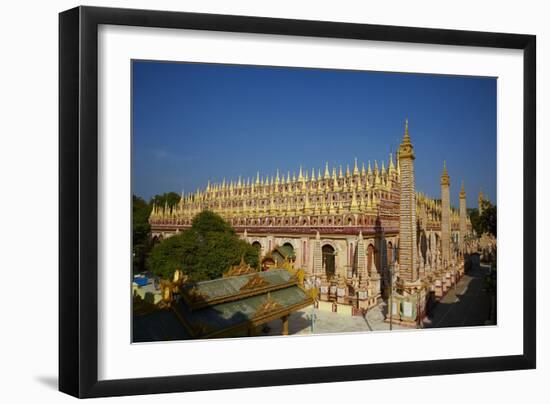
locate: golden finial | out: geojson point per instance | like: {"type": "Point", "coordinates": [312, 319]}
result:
{"type": "Point", "coordinates": [327, 173]}
{"type": "Point", "coordinates": [355, 168]}
{"type": "Point", "coordinates": [406, 137]}
{"type": "Point", "coordinates": [445, 179]}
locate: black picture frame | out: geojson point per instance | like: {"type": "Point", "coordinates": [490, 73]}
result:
{"type": "Point", "coordinates": [78, 196]}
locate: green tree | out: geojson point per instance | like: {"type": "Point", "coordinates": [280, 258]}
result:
{"type": "Point", "coordinates": [474, 219]}
{"type": "Point", "coordinates": [141, 233]}
{"type": "Point", "coordinates": [168, 198]}
{"type": "Point", "coordinates": [488, 218]}
{"type": "Point", "coordinates": [207, 221]}
{"type": "Point", "coordinates": [487, 221]}
{"type": "Point", "coordinates": [204, 251]}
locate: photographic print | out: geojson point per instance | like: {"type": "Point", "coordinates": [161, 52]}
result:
{"type": "Point", "coordinates": [278, 201]}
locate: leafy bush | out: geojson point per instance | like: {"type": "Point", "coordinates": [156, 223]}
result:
{"type": "Point", "coordinates": [203, 252]}
{"type": "Point", "coordinates": [141, 244]}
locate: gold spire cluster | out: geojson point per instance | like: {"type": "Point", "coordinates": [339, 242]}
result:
{"type": "Point", "coordinates": [335, 191]}
{"type": "Point", "coordinates": [428, 210]}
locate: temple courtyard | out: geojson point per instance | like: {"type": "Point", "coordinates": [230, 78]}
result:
{"type": "Point", "coordinates": [467, 304]}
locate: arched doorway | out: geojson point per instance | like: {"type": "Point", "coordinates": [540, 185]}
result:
{"type": "Point", "coordinates": [288, 247]}
{"type": "Point", "coordinates": [258, 247]}
{"type": "Point", "coordinates": [329, 262]}
{"type": "Point", "coordinates": [283, 253]}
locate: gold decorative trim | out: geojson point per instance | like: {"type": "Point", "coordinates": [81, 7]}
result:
{"type": "Point", "coordinates": [267, 307]}
{"type": "Point", "coordinates": [255, 282]}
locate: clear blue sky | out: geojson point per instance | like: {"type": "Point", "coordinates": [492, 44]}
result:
{"type": "Point", "coordinates": [198, 122]}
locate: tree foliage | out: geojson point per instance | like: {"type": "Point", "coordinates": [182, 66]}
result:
{"type": "Point", "coordinates": [141, 232]}
{"type": "Point", "coordinates": [487, 221]}
{"type": "Point", "coordinates": [168, 198]}
{"type": "Point", "coordinates": [204, 251]}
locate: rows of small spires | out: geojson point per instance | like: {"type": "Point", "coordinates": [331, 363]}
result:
{"type": "Point", "coordinates": [378, 176]}
{"type": "Point", "coordinates": [357, 204]}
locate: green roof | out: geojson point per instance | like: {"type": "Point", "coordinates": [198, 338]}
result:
{"type": "Point", "coordinates": [229, 314]}
{"type": "Point", "coordinates": [231, 285]}
{"type": "Point", "coordinates": [229, 317]}
{"type": "Point", "coordinates": [160, 325]}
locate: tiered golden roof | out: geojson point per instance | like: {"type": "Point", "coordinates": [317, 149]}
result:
{"type": "Point", "coordinates": [334, 192]}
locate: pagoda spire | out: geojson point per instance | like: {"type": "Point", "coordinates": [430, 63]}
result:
{"type": "Point", "coordinates": [354, 205]}
{"type": "Point", "coordinates": [355, 168]}
{"type": "Point", "coordinates": [335, 185]}
{"type": "Point", "coordinates": [406, 137]}
{"type": "Point", "coordinates": [445, 179]}
{"type": "Point", "coordinates": [462, 191]}
{"type": "Point", "coordinates": [327, 173]}
{"type": "Point", "coordinates": [391, 167]}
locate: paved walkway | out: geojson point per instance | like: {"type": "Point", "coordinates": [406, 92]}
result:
{"type": "Point", "coordinates": [327, 322]}
{"type": "Point", "coordinates": [466, 305]}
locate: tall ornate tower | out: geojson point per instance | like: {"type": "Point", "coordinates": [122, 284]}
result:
{"type": "Point", "coordinates": [408, 270]}
{"type": "Point", "coordinates": [462, 214]}
{"type": "Point", "coordinates": [445, 216]}
{"type": "Point", "coordinates": [317, 256]}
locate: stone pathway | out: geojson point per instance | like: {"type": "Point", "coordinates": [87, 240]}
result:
{"type": "Point", "coordinates": [328, 322]}
{"type": "Point", "coordinates": [466, 305]}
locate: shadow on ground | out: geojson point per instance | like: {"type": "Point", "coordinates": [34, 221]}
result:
{"type": "Point", "coordinates": [48, 381]}
{"type": "Point", "coordinates": [467, 305]}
